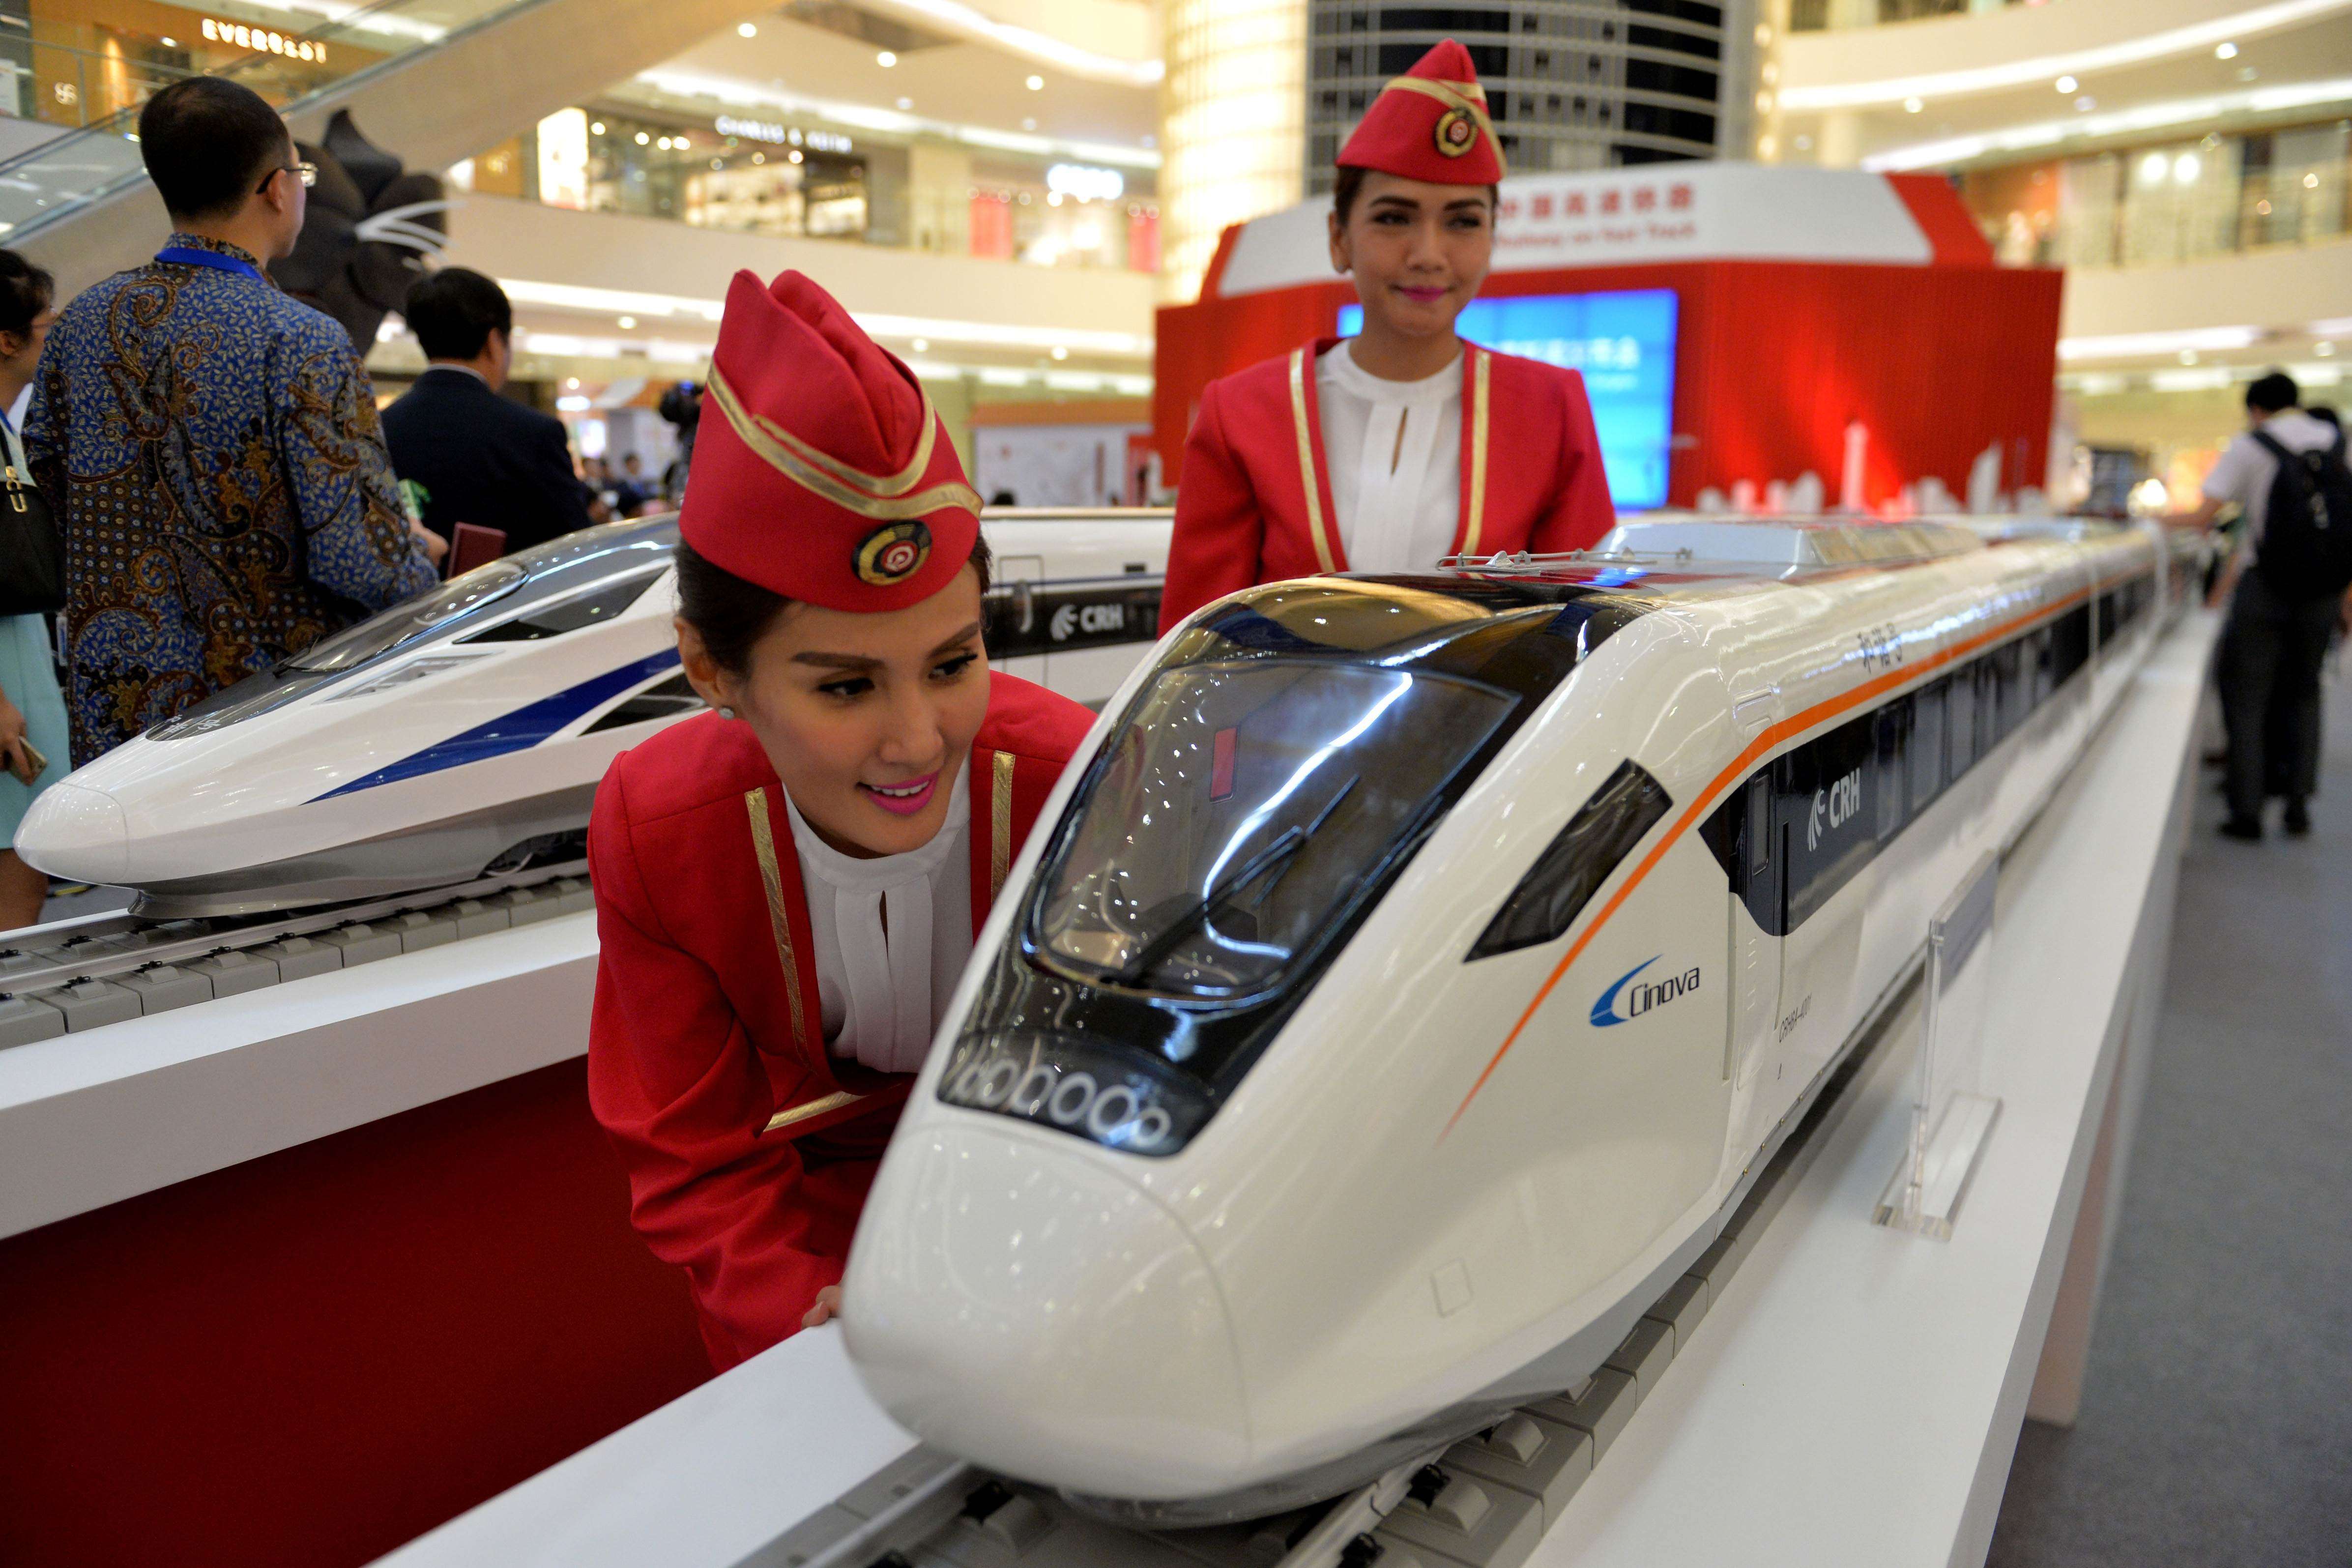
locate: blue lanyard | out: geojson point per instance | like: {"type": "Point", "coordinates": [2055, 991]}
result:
{"type": "Point", "coordinates": [189, 255]}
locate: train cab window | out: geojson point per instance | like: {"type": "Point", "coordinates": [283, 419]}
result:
{"type": "Point", "coordinates": [1246, 806]}
{"type": "Point", "coordinates": [1573, 867]}
{"type": "Point", "coordinates": [1924, 761]}
{"type": "Point", "coordinates": [1739, 833]}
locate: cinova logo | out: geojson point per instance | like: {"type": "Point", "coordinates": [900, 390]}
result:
{"type": "Point", "coordinates": [1620, 1005]}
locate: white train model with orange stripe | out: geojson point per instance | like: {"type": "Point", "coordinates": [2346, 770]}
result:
{"type": "Point", "coordinates": [1415, 972]}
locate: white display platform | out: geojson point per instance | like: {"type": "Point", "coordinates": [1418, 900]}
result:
{"type": "Point", "coordinates": [91, 1118]}
{"type": "Point", "coordinates": [1854, 1397]}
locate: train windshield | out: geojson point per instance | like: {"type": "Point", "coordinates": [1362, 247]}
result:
{"type": "Point", "coordinates": [1268, 781]}
{"type": "Point", "coordinates": [1244, 804]}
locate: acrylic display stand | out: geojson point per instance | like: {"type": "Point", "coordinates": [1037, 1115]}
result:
{"type": "Point", "coordinates": [1950, 1118]}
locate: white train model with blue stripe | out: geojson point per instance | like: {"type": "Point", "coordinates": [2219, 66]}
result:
{"type": "Point", "coordinates": [461, 734]}
{"type": "Point", "coordinates": [1412, 975]}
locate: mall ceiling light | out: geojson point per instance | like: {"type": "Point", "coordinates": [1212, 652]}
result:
{"type": "Point", "coordinates": [2157, 345]}
{"type": "Point", "coordinates": [627, 323]}
{"type": "Point", "coordinates": [643, 139]}
{"type": "Point", "coordinates": [1912, 105]}
{"type": "Point", "coordinates": [1061, 352]}
{"type": "Point", "coordinates": [2137, 119]}
{"type": "Point", "coordinates": [905, 104]}
{"type": "Point", "coordinates": [747, 29]}
{"type": "Point", "coordinates": [2225, 51]}
{"type": "Point", "coordinates": [1036, 84]}
{"type": "Point", "coordinates": [2196, 36]}
{"type": "Point", "coordinates": [596, 128]}
{"type": "Point", "coordinates": [773, 99]}
{"type": "Point", "coordinates": [886, 59]}
{"type": "Point", "coordinates": [969, 22]}
{"type": "Point", "coordinates": [2067, 84]}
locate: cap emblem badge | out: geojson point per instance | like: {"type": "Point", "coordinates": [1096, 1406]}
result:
{"type": "Point", "coordinates": [1457, 132]}
{"type": "Point", "coordinates": [893, 553]}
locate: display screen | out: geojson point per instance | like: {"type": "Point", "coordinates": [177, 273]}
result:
{"type": "Point", "coordinates": [1622, 342]}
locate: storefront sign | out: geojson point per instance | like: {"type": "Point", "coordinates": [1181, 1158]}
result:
{"type": "Point", "coordinates": [780, 135]}
{"type": "Point", "coordinates": [262, 41]}
{"type": "Point", "coordinates": [1084, 182]}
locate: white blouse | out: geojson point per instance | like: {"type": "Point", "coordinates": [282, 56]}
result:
{"type": "Point", "coordinates": [892, 934]}
{"type": "Point", "coordinates": [1393, 450]}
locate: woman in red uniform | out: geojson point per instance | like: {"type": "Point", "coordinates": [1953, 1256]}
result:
{"type": "Point", "coordinates": [1404, 445]}
{"type": "Point", "coordinates": [788, 886]}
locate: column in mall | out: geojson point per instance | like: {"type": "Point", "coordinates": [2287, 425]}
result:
{"type": "Point", "coordinates": [939, 198]}
{"type": "Point", "coordinates": [1232, 110]}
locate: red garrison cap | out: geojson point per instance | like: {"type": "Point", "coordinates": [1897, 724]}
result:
{"type": "Point", "coordinates": [821, 471]}
{"type": "Point", "coordinates": [1430, 124]}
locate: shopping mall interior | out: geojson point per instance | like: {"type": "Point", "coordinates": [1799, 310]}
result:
{"type": "Point", "coordinates": [345, 1270]}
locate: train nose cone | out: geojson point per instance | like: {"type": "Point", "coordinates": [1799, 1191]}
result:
{"type": "Point", "coordinates": [1029, 1309]}
{"type": "Point", "coordinates": [78, 834]}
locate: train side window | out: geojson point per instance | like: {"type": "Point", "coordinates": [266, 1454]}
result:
{"type": "Point", "coordinates": [1824, 815]}
{"type": "Point", "coordinates": [1988, 707]}
{"type": "Point", "coordinates": [1960, 727]}
{"type": "Point", "coordinates": [1573, 867]}
{"type": "Point", "coordinates": [2039, 684]}
{"type": "Point", "coordinates": [2007, 664]}
{"type": "Point", "coordinates": [1926, 762]}
{"type": "Point", "coordinates": [2106, 618]}
{"type": "Point", "coordinates": [2070, 645]}
{"type": "Point", "coordinates": [1892, 726]}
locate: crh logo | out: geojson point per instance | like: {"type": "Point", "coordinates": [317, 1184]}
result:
{"type": "Point", "coordinates": [1840, 803]}
{"type": "Point", "coordinates": [1619, 1005]}
{"type": "Point", "coordinates": [1090, 618]}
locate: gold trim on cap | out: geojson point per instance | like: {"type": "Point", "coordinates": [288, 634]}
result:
{"type": "Point", "coordinates": [1000, 823]}
{"type": "Point", "coordinates": [818, 1107]}
{"type": "Point", "coordinates": [1466, 96]}
{"type": "Point", "coordinates": [764, 844]}
{"type": "Point", "coordinates": [882, 496]}
{"type": "Point", "coordinates": [1474, 523]}
{"type": "Point", "coordinates": [1307, 474]}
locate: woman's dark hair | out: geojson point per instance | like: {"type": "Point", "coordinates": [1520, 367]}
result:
{"type": "Point", "coordinates": [208, 142]}
{"type": "Point", "coordinates": [25, 292]}
{"type": "Point", "coordinates": [1349, 184]}
{"type": "Point", "coordinates": [733, 615]}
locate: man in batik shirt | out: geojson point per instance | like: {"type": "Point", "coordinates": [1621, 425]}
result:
{"type": "Point", "coordinates": [211, 446]}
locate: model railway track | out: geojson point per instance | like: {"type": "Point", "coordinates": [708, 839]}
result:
{"type": "Point", "coordinates": [66, 979]}
{"type": "Point", "coordinates": [1481, 1502]}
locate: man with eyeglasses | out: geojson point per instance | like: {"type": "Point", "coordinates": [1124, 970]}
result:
{"type": "Point", "coordinates": [210, 443]}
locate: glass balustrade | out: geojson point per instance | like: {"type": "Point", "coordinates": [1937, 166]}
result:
{"type": "Point", "coordinates": [72, 91]}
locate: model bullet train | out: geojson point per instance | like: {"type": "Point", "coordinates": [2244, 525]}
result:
{"type": "Point", "coordinates": [463, 732]}
{"type": "Point", "coordinates": [1413, 972]}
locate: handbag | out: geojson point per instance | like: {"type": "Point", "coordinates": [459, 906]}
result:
{"type": "Point", "coordinates": [32, 553]}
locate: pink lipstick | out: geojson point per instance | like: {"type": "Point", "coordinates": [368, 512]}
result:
{"type": "Point", "coordinates": [1424, 296]}
{"type": "Point", "coordinates": [903, 799]}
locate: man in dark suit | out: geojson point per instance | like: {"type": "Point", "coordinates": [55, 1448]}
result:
{"type": "Point", "coordinates": [479, 458]}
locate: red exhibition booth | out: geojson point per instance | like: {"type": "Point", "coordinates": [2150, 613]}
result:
{"type": "Point", "coordinates": [1835, 322]}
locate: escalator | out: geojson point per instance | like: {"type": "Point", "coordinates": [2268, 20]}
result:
{"type": "Point", "coordinates": [433, 80]}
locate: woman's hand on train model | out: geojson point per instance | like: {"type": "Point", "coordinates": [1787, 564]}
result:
{"type": "Point", "coordinates": [828, 1303]}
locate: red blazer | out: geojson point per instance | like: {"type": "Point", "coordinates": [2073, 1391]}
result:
{"type": "Point", "coordinates": [1255, 501]}
{"type": "Point", "coordinates": [749, 1148]}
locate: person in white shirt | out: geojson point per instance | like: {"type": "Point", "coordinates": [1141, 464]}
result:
{"type": "Point", "coordinates": [2274, 642]}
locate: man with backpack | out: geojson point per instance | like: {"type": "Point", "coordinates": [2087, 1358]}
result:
{"type": "Point", "coordinates": [2287, 475]}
